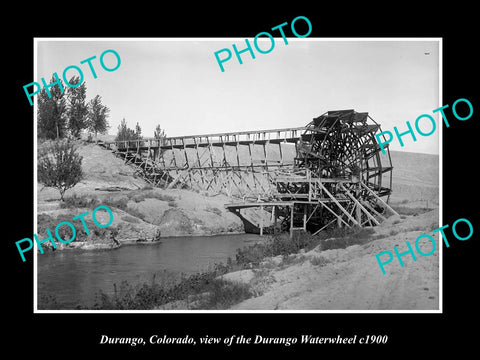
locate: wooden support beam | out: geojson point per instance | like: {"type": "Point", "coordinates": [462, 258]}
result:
{"type": "Point", "coordinates": [379, 198]}
{"type": "Point", "coordinates": [291, 220]}
{"type": "Point", "coordinates": [359, 206]}
{"type": "Point", "coordinates": [305, 217]}
{"type": "Point", "coordinates": [339, 218]}
{"type": "Point", "coordinates": [261, 220]}
{"type": "Point", "coordinates": [274, 214]}
{"type": "Point", "coordinates": [323, 227]}
{"type": "Point", "coordinates": [338, 204]}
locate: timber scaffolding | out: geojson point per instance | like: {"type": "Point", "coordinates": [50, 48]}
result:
{"type": "Point", "coordinates": [329, 173]}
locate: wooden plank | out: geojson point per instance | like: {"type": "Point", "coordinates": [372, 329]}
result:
{"type": "Point", "coordinates": [379, 198]}
{"type": "Point", "coordinates": [359, 205]}
{"type": "Point", "coordinates": [334, 213]}
{"type": "Point", "coordinates": [338, 204]}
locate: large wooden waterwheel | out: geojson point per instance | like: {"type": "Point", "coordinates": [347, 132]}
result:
{"type": "Point", "coordinates": [344, 171]}
{"type": "Point", "coordinates": [341, 144]}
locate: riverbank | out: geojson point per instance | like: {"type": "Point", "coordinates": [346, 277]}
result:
{"type": "Point", "coordinates": [339, 273]}
{"type": "Point", "coordinates": [350, 278]}
{"type": "Point", "coordinates": [124, 277]}
{"type": "Point", "coordinates": [141, 213]}
{"type": "Point", "coordinates": [333, 271]}
{"type": "Point", "coordinates": [139, 216]}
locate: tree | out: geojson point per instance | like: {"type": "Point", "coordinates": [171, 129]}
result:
{"type": "Point", "coordinates": [138, 132]}
{"type": "Point", "coordinates": [159, 133]}
{"type": "Point", "coordinates": [51, 113]}
{"type": "Point", "coordinates": [124, 132]}
{"type": "Point", "coordinates": [77, 109]}
{"type": "Point", "coordinates": [59, 166]}
{"type": "Point", "coordinates": [97, 116]}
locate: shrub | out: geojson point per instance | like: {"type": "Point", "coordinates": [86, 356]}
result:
{"type": "Point", "coordinates": [59, 166]}
{"type": "Point", "coordinates": [153, 294]}
{"type": "Point", "coordinates": [319, 261]}
{"type": "Point", "coordinates": [349, 237]}
{"type": "Point", "coordinates": [65, 232]}
{"type": "Point", "coordinates": [280, 244]}
{"type": "Point", "coordinates": [223, 294]}
{"type": "Point", "coordinates": [76, 201]}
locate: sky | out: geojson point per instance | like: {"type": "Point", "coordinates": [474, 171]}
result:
{"type": "Point", "coordinates": [178, 84]}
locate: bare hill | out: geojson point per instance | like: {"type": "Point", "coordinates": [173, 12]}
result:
{"type": "Point", "coordinates": [415, 178]}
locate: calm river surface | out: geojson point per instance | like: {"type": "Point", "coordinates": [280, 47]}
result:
{"type": "Point", "coordinates": [75, 276]}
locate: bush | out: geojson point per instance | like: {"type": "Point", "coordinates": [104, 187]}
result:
{"type": "Point", "coordinates": [348, 237]}
{"type": "Point", "coordinates": [75, 201]}
{"type": "Point", "coordinates": [59, 166]}
{"type": "Point", "coordinates": [223, 294]}
{"type": "Point", "coordinates": [280, 244]}
{"type": "Point", "coordinates": [319, 261]}
{"type": "Point", "coordinates": [65, 232]}
{"type": "Point", "coordinates": [153, 294]}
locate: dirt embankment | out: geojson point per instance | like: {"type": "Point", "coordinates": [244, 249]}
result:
{"type": "Point", "coordinates": [140, 212]}
{"type": "Point", "coordinates": [350, 278]}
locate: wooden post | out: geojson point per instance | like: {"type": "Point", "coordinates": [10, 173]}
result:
{"type": "Point", "coordinates": [274, 210]}
{"type": "Point", "coordinates": [358, 213]}
{"type": "Point", "coordinates": [291, 220]}
{"type": "Point", "coordinates": [261, 220]}
{"type": "Point", "coordinates": [338, 204]}
{"type": "Point", "coordinates": [359, 207]}
{"type": "Point", "coordinates": [305, 217]}
{"type": "Point", "coordinates": [281, 153]}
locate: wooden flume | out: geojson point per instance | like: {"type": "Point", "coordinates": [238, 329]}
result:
{"type": "Point", "coordinates": [326, 174]}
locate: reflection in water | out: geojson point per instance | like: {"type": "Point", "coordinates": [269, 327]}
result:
{"type": "Point", "coordinates": [74, 277]}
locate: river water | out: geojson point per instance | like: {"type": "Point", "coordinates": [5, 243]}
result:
{"type": "Point", "coordinates": [74, 277]}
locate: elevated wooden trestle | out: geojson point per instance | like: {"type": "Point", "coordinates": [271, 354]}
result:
{"type": "Point", "coordinates": [326, 174]}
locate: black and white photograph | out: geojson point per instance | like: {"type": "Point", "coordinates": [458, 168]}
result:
{"type": "Point", "coordinates": [274, 189]}
{"type": "Point", "coordinates": [296, 181]}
